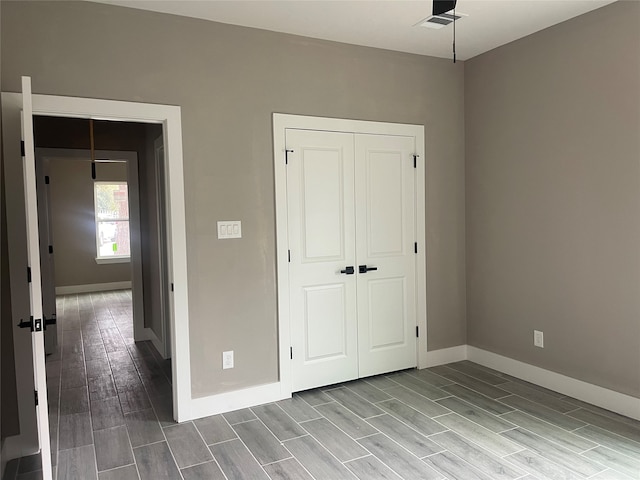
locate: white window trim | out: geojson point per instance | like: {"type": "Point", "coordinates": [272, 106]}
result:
{"type": "Point", "coordinates": [113, 259]}
{"type": "Point", "coordinates": [100, 260]}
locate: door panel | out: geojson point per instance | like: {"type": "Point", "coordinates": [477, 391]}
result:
{"type": "Point", "coordinates": [387, 316]}
{"type": "Point", "coordinates": [322, 243]}
{"type": "Point", "coordinates": [385, 235]}
{"type": "Point", "coordinates": [384, 203]}
{"type": "Point", "coordinates": [322, 205]}
{"type": "Point", "coordinates": [325, 322]}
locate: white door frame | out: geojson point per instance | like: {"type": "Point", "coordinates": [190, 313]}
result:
{"type": "Point", "coordinates": [170, 118]}
{"type": "Point", "coordinates": [164, 346]}
{"type": "Point", "coordinates": [281, 122]}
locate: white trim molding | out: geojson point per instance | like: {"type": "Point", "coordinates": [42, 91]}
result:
{"type": "Point", "coordinates": [445, 355]}
{"type": "Point", "coordinates": [237, 399]}
{"type": "Point", "coordinates": [16, 446]}
{"type": "Point", "coordinates": [109, 260]}
{"type": "Point", "coordinates": [593, 394]}
{"type": "Point", "coordinates": [93, 287]}
{"type": "Point", "coordinates": [150, 335]}
{"type": "Point", "coordinates": [587, 392]}
{"type": "Point", "coordinates": [599, 396]}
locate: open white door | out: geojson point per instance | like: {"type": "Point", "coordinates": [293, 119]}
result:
{"type": "Point", "coordinates": [164, 264]}
{"type": "Point", "coordinates": [36, 322]}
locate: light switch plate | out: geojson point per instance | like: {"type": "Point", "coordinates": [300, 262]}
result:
{"type": "Point", "coordinates": [538, 339]}
{"type": "Point", "coordinates": [227, 359]}
{"type": "Point", "coordinates": [229, 229]}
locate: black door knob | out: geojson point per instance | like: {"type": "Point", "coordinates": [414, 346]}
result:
{"type": "Point", "coordinates": [348, 271]}
{"type": "Point", "coordinates": [365, 269]}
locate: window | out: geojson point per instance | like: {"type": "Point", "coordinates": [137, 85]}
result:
{"type": "Point", "coordinates": [111, 203]}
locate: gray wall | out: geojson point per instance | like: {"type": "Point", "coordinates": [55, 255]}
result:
{"type": "Point", "coordinates": [8, 400]}
{"type": "Point", "coordinates": [73, 222]}
{"type": "Point", "coordinates": [9, 424]}
{"type": "Point", "coordinates": [228, 81]}
{"type": "Point", "coordinates": [553, 198]}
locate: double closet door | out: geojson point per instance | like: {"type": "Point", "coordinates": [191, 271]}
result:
{"type": "Point", "coordinates": [352, 269]}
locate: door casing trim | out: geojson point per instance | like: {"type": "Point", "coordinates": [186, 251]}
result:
{"type": "Point", "coordinates": [169, 116]}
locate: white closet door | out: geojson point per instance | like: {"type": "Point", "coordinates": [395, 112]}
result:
{"type": "Point", "coordinates": [320, 189]}
{"type": "Point", "coordinates": [385, 206]}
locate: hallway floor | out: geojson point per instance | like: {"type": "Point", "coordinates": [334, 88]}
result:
{"type": "Point", "coordinates": [110, 414]}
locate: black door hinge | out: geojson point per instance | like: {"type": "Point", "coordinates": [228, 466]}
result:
{"type": "Point", "coordinates": [47, 179]}
{"type": "Point", "coordinates": [289, 255]}
{"type": "Point", "coordinates": [172, 287]}
{"type": "Point", "coordinates": [23, 151]}
{"type": "Point", "coordinates": [417, 331]}
{"type": "Point", "coordinates": [50, 248]}
{"type": "Point", "coordinates": [291, 353]}
{"type": "Point", "coordinates": [35, 394]}
{"type": "Point", "coordinates": [28, 274]}
{"type": "Point", "coordinates": [415, 247]}
{"type": "Point", "coordinates": [286, 156]}
{"type": "Point", "coordinates": [415, 161]}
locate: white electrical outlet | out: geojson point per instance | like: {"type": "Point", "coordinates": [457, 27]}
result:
{"type": "Point", "coordinates": [227, 360]}
{"type": "Point", "coordinates": [538, 338]}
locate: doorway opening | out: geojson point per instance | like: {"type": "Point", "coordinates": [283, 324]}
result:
{"type": "Point", "coordinates": [104, 275]}
{"type": "Point", "coordinates": [26, 299]}
{"type": "Point", "coordinates": [84, 247]}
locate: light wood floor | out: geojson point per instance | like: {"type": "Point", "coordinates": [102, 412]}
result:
{"type": "Point", "coordinates": [111, 420]}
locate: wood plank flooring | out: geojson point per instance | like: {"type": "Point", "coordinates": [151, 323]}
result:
{"type": "Point", "coordinates": [110, 415]}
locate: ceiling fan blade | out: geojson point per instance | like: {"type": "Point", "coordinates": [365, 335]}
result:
{"type": "Point", "coordinates": [443, 6]}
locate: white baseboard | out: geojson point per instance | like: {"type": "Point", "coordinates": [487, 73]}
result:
{"type": "Point", "coordinates": [16, 446]}
{"type": "Point", "coordinates": [93, 287]}
{"type": "Point", "coordinates": [3, 459]}
{"type": "Point", "coordinates": [446, 355]}
{"type": "Point", "coordinates": [230, 401]}
{"type": "Point", "coordinates": [157, 343]}
{"type": "Point", "coordinates": [587, 392]}
{"type": "Point", "coordinates": [596, 395]}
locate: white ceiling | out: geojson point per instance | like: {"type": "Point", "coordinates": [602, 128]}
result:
{"type": "Point", "coordinates": [385, 24]}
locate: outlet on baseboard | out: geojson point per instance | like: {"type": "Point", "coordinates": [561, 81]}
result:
{"type": "Point", "coordinates": [227, 360]}
{"type": "Point", "coordinates": [538, 338]}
